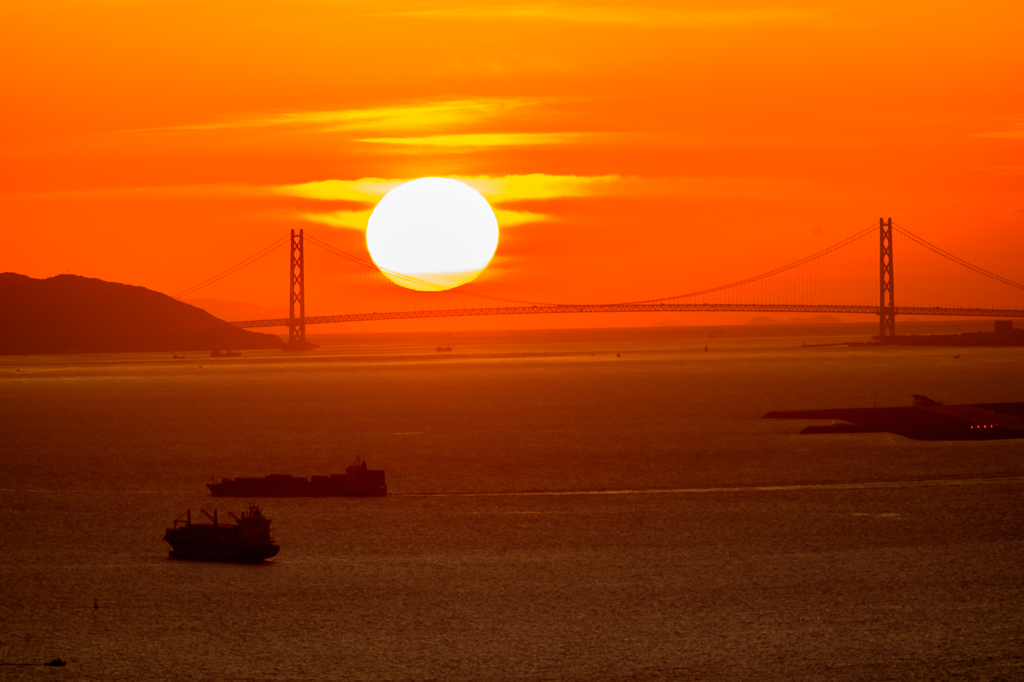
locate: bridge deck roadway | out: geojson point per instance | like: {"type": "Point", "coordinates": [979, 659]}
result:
{"type": "Point", "coordinates": [633, 308]}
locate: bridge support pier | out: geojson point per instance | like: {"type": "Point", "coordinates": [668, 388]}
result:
{"type": "Point", "coordinates": [886, 303]}
{"type": "Point", "coordinates": [297, 295]}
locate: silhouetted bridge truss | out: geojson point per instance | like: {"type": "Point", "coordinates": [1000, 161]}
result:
{"type": "Point", "coordinates": [630, 308]}
{"type": "Point", "coordinates": [840, 279]}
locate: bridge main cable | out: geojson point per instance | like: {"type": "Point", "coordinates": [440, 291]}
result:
{"type": "Point", "coordinates": [956, 259]}
{"type": "Point", "coordinates": [764, 275]}
{"type": "Point", "coordinates": [233, 269]}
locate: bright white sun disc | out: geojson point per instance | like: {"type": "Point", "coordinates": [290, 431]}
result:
{"type": "Point", "coordinates": [435, 230]}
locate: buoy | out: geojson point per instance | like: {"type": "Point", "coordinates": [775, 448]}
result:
{"type": "Point", "coordinates": [618, 355]}
{"type": "Point", "coordinates": [95, 603]}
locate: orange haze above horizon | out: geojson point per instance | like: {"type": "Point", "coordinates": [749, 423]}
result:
{"type": "Point", "coordinates": [630, 151]}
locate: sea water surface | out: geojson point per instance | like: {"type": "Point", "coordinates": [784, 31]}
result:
{"type": "Point", "coordinates": [587, 506]}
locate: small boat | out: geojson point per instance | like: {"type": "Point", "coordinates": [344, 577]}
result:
{"type": "Point", "coordinates": [443, 349]}
{"type": "Point", "coordinates": [56, 663]}
{"type": "Point", "coordinates": [225, 354]}
{"type": "Point", "coordinates": [178, 357]}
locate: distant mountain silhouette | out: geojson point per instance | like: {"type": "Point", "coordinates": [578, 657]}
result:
{"type": "Point", "coordinates": [817, 319]}
{"type": "Point", "coordinates": [69, 314]}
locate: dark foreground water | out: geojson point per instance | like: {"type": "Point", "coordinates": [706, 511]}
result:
{"type": "Point", "coordinates": [555, 515]}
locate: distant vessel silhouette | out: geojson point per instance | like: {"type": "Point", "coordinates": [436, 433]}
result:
{"type": "Point", "coordinates": [225, 354]}
{"type": "Point", "coordinates": [357, 481]}
{"type": "Point", "coordinates": [248, 540]}
{"type": "Point", "coordinates": [442, 349]}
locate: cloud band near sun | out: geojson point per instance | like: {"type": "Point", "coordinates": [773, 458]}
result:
{"type": "Point", "coordinates": [426, 115]}
{"type": "Point", "coordinates": [621, 15]}
{"type": "Point", "coordinates": [497, 190]}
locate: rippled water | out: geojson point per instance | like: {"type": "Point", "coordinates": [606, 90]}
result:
{"type": "Point", "coordinates": [556, 512]}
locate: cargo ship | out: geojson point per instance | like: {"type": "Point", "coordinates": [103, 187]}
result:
{"type": "Point", "coordinates": [357, 481]}
{"type": "Point", "coordinates": [247, 540]}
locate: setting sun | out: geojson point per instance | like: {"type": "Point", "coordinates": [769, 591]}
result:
{"type": "Point", "coordinates": [439, 232]}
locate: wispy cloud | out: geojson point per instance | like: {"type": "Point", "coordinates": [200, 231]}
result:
{"type": "Point", "coordinates": [347, 204]}
{"type": "Point", "coordinates": [508, 188]}
{"type": "Point", "coordinates": [367, 190]}
{"type": "Point", "coordinates": [164, 191]}
{"type": "Point", "coordinates": [498, 191]}
{"type": "Point", "coordinates": [451, 125]}
{"type": "Point", "coordinates": [343, 220]}
{"type": "Point", "coordinates": [474, 140]}
{"type": "Point", "coordinates": [1016, 132]}
{"type": "Point", "coordinates": [429, 115]}
{"type": "Point", "coordinates": [477, 65]}
{"type": "Point", "coordinates": [504, 193]}
{"type": "Point", "coordinates": [623, 16]}
{"type": "Point", "coordinates": [357, 220]}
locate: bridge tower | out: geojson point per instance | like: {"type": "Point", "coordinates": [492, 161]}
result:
{"type": "Point", "coordinates": [297, 294]}
{"type": "Point", "coordinates": [886, 304]}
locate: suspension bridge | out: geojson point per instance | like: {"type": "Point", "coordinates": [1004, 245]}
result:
{"type": "Point", "coordinates": [856, 275]}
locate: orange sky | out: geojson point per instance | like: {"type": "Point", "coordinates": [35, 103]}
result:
{"type": "Point", "coordinates": [632, 150]}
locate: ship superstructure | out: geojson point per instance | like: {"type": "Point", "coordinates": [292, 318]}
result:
{"type": "Point", "coordinates": [357, 481]}
{"type": "Point", "coordinates": [248, 539]}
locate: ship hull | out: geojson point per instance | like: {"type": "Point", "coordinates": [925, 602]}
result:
{"type": "Point", "coordinates": [248, 555]}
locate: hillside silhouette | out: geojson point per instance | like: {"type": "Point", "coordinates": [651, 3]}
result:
{"type": "Point", "coordinates": [73, 314]}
